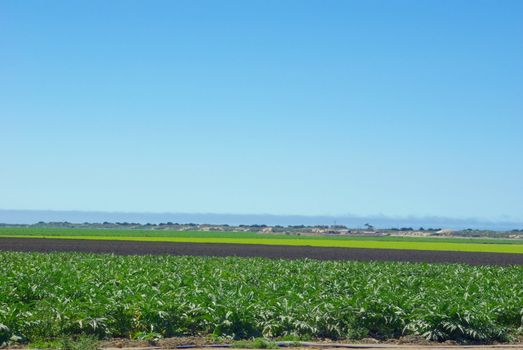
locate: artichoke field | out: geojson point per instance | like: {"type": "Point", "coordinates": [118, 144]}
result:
{"type": "Point", "coordinates": [46, 296]}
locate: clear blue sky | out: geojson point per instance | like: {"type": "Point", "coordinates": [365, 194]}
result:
{"type": "Point", "coordinates": [285, 107]}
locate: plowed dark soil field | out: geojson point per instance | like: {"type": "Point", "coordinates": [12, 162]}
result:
{"type": "Point", "coordinates": [251, 250]}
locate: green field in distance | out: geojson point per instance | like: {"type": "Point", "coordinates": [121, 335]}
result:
{"type": "Point", "coordinates": [387, 242]}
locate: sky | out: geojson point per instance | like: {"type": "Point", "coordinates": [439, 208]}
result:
{"type": "Point", "coordinates": [389, 108]}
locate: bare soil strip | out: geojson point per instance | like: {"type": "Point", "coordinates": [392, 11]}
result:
{"type": "Point", "coordinates": [252, 250]}
{"type": "Point", "coordinates": [372, 347]}
{"type": "Point", "coordinates": [368, 347]}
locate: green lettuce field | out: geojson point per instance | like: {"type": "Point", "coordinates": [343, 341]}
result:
{"type": "Point", "coordinates": [386, 242]}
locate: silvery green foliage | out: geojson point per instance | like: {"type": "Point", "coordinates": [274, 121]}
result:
{"type": "Point", "coordinates": [52, 295]}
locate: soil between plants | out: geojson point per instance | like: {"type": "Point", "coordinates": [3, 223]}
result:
{"type": "Point", "coordinates": [405, 342]}
{"type": "Point", "coordinates": [254, 250]}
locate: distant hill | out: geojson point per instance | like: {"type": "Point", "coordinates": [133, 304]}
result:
{"type": "Point", "coordinates": [33, 216]}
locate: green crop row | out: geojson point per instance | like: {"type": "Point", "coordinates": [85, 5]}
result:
{"type": "Point", "coordinates": [45, 296]}
{"type": "Point", "coordinates": [141, 233]}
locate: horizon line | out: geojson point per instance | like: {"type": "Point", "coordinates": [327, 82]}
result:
{"type": "Point", "coordinates": [29, 216]}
